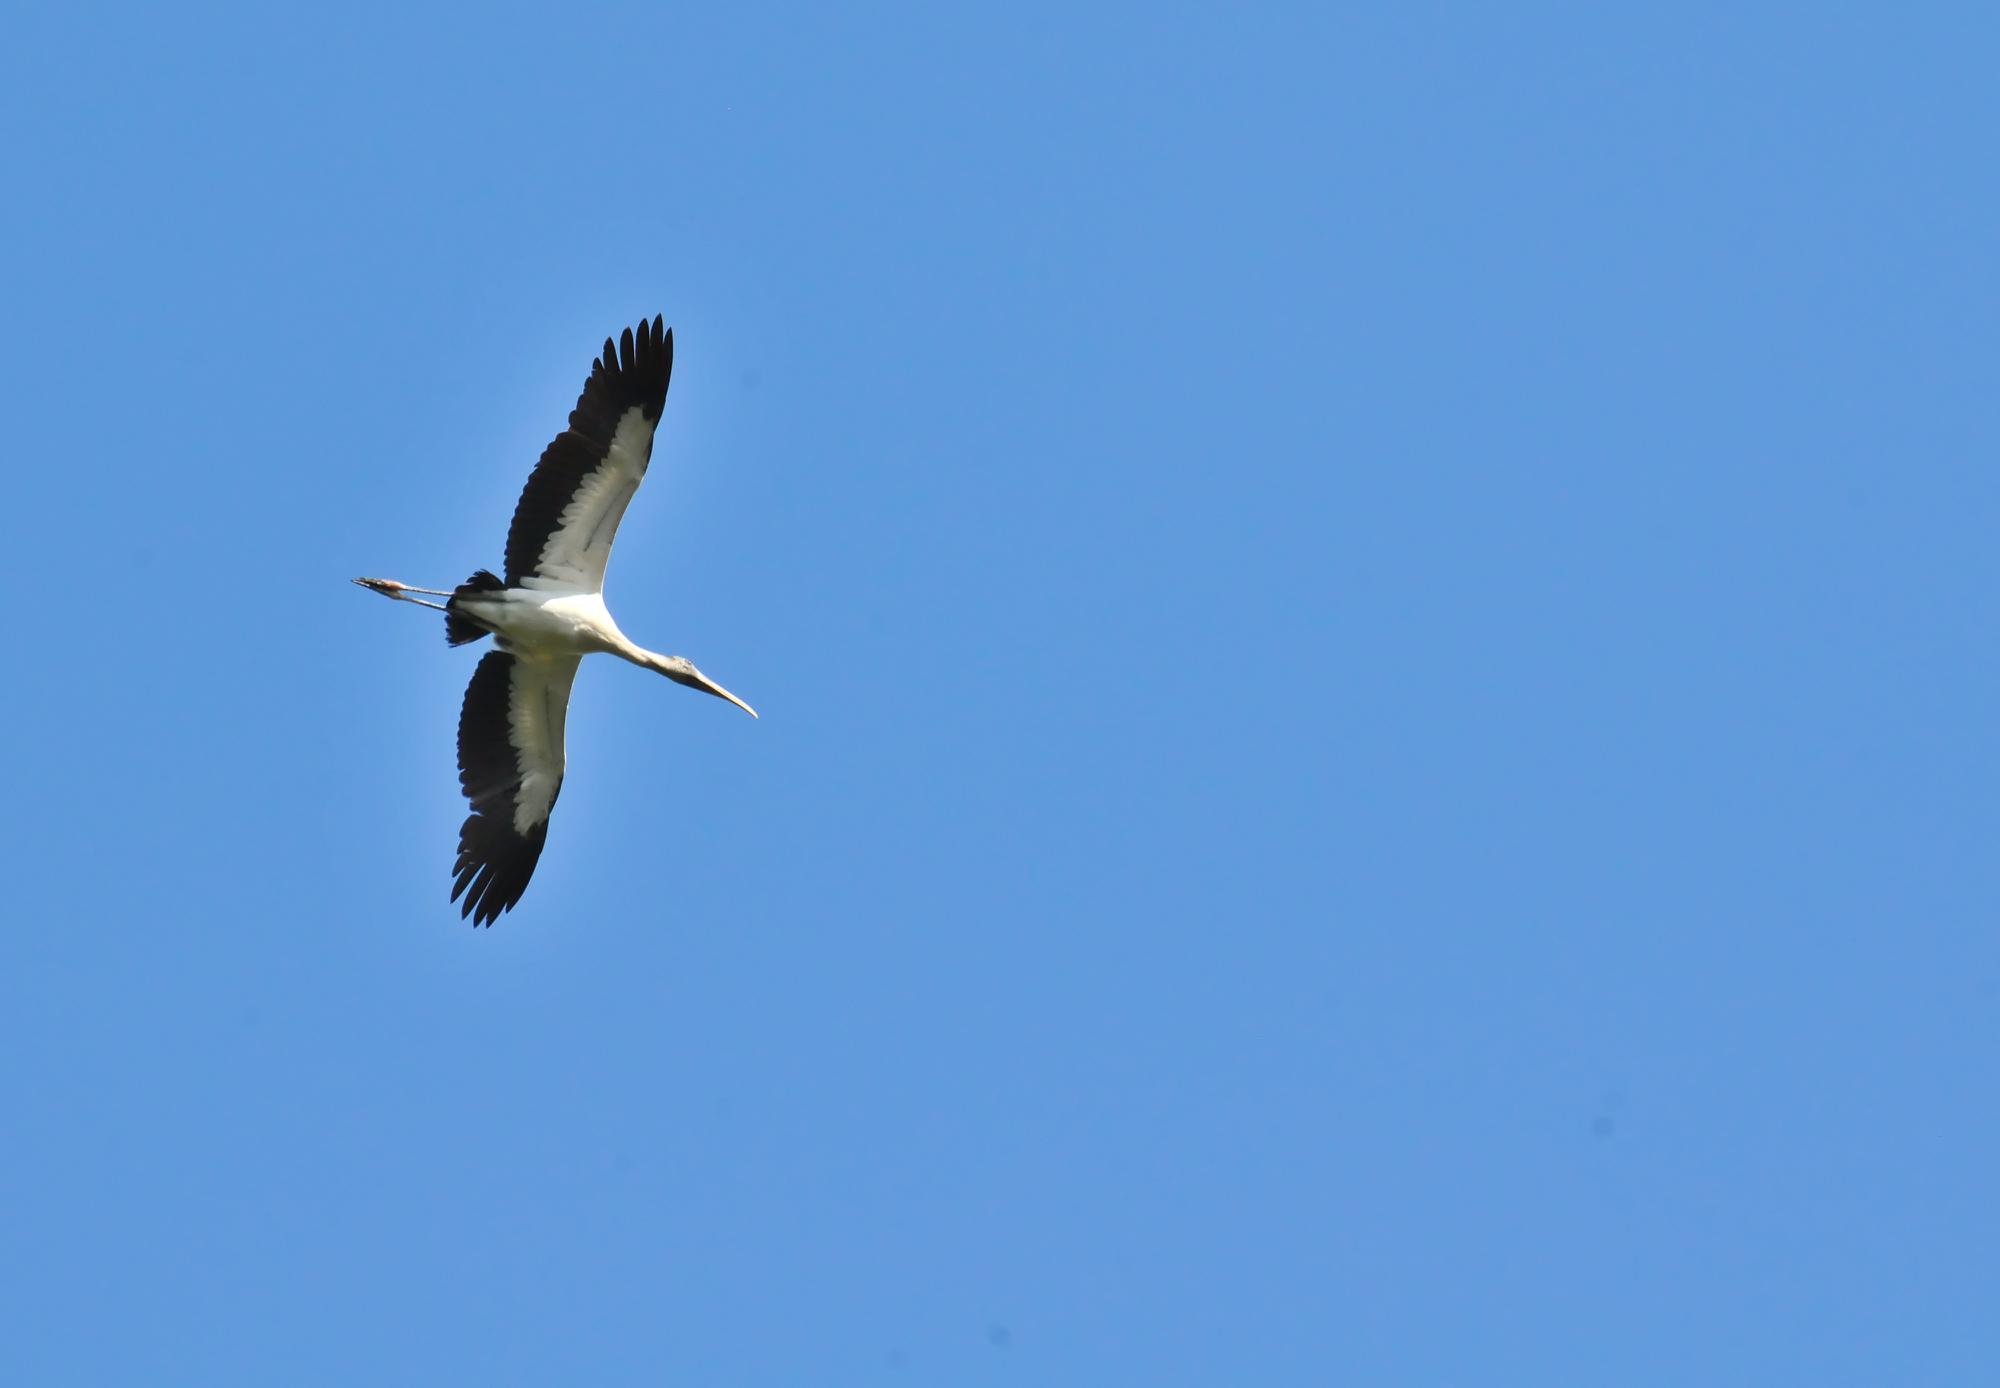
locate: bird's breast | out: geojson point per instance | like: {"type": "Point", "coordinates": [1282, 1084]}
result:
{"type": "Point", "coordinates": [534, 623]}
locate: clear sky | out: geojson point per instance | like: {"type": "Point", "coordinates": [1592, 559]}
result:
{"type": "Point", "coordinates": [1376, 637]}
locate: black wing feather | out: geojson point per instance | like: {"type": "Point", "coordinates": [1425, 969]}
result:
{"type": "Point", "coordinates": [494, 862]}
{"type": "Point", "coordinates": [460, 629]}
{"type": "Point", "coordinates": [633, 372]}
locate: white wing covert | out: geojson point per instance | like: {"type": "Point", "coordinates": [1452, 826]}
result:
{"type": "Point", "coordinates": [510, 764]}
{"type": "Point", "coordinates": [569, 511]}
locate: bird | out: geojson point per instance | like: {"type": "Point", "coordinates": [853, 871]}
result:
{"type": "Point", "coordinates": [545, 614]}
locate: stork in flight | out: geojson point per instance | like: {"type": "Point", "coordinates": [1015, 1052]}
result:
{"type": "Point", "coordinates": [546, 616]}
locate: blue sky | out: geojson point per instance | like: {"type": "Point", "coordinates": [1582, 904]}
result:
{"type": "Point", "coordinates": [1375, 632]}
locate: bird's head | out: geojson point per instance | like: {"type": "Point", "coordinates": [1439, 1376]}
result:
{"type": "Point", "coordinates": [681, 670]}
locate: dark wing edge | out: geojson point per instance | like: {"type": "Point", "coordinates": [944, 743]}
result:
{"type": "Point", "coordinates": [631, 373]}
{"type": "Point", "coordinates": [495, 860]}
{"type": "Point", "coordinates": [459, 629]}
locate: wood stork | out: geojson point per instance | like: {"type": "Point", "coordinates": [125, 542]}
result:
{"type": "Point", "coordinates": [545, 616]}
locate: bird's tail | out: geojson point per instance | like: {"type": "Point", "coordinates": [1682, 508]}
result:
{"type": "Point", "coordinates": [459, 628]}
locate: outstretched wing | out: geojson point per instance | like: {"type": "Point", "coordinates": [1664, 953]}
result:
{"type": "Point", "coordinates": [570, 509]}
{"type": "Point", "coordinates": [510, 762]}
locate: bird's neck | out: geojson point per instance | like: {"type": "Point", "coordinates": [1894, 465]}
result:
{"type": "Point", "coordinates": [639, 655]}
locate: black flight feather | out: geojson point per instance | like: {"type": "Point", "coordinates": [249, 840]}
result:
{"type": "Point", "coordinates": [630, 374]}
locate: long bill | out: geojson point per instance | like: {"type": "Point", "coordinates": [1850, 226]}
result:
{"type": "Point", "coordinates": [681, 670]}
